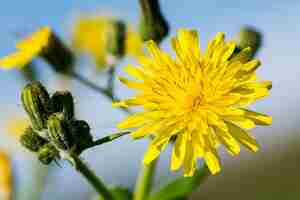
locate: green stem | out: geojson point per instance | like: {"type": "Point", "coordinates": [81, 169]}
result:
{"type": "Point", "coordinates": [91, 177]}
{"type": "Point", "coordinates": [108, 138]}
{"type": "Point", "coordinates": [144, 182]}
{"type": "Point", "coordinates": [107, 92]}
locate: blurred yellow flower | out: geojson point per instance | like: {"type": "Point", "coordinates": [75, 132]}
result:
{"type": "Point", "coordinates": [16, 126]}
{"type": "Point", "coordinates": [91, 35]}
{"type": "Point", "coordinates": [27, 49]}
{"type": "Point", "coordinates": [199, 97]}
{"type": "Point", "coordinates": [6, 181]}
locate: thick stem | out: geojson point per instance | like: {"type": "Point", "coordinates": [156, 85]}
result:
{"type": "Point", "coordinates": [108, 138]}
{"type": "Point", "coordinates": [145, 180]}
{"type": "Point", "coordinates": [91, 177]}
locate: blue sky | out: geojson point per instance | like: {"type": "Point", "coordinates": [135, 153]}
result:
{"type": "Point", "coordinates": [277, 19]}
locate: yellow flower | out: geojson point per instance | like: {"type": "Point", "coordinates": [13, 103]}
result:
{"type": "Point", "coordinates": [28, 49]}
{"type": "Point", "coordinates": [6, 177]}
{"type": "Point", "coordinates": [17, 125]}
{"type": "Point", "coordinates": [45, 44]}
{"type": "Point", "coordinates": [199, 97]}
{"type": "Point", "coordinates": [91, 35]}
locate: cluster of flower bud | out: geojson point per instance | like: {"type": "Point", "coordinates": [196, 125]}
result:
{"type": "Point", "coordinates": [54, 129]}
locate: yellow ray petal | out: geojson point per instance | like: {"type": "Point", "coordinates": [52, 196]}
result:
{"type": "Point", "coordinates": [178, 152]}
{"type": "Point", "coordinates": [258, 118]}
{"type": "Point", "coordinates": [18, 60]}
{"type": "Point", "coordinates": [243, 137]}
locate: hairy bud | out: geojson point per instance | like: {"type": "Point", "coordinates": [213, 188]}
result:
{"type": "Point", "coordinates": [153, 25]}
{"type": "Point", "coordinates": [35, 100]}
{"type": "Point", "coordinates": [31, 140]}
{"type": "Point", "coordinates": [62, 101]}
{"type": "Point", "coordinates": [59, 132]}
{"type": "Point", "coordinates": [47, 154]}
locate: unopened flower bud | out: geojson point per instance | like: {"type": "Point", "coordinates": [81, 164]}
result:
{"type": "Point", "coordinates": [153, 25]}
{"type": "Point", "coordinates": [62, 101]}
{"type": "Point", "coordinates": [59, 132]}
{"type": "Point", "coordinates": [249, 37]}
{"type": "Point", "coordinates": [47, 154]}
{"type": "Point", "coordinates": [31, 140]}
{"type": "Point", "coordinates": [35, 100]}
{"type": "Point", "coordinates": [57, 54]}
{"type": "Point", "coordinates": [116, 38]}
{"type": "Point", "coordinates": [81, 133]}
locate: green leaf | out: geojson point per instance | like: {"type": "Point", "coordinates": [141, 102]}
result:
{"type": "Point", "coordinates": [120, 193]}
{"type": "Point", "coordinates": [182, 187]}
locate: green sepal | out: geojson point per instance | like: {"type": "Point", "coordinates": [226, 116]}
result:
{"type": "Point", "coordinates": [31, 140]}
{"type": "Point", "coordinates": [59, 132]}
{"type": "Point", "coordinates": [80, 130]}
{"type": "Point", "coordinates": [62, 101]}
{"type": "Point", "coordinates": [47, 154]}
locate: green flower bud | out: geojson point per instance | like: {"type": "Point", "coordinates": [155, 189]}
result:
{"type": "Point", "coordinates": [31, 140]}
{"type": "Point", "coordinates": [62, 101]}
{"type": "Point", "coordinates": [59, 132]}
{"type": "Point", "coordinates": [35, 100]}
{"type": "Point", "coordinates": [47, 154]}
{"type": "Point", "coordinates": [81, 134]}
{"type": "Point", "coordinates": [116, 38]}
{"type": "Point", "coordinates": [249, 37]}
{"type": "Point", "coordinates": [153, 25]}
{"type": "Point", "coordinates": [58, 55]}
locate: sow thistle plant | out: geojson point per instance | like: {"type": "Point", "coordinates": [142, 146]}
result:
{"type": "Point", "coordinates": [195, 102]}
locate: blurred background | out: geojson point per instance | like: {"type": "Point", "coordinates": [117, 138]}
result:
{"type": "Point", "coordinates": [272, 173]}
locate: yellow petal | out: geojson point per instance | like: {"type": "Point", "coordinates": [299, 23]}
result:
{"type": "Point", "coordinates": [153, 151]}
{"type": "Point", "coordinates": [189, 164]}
{"type": "Point", "coordinates": [133, 84]}
{"type": "Point", "coordinates": [243, 137]}
{"type": "Point", "coordinates": [16, 60]}
{"type": "Point", "coordinates": [36, 41]}
{"type": "Point", "coordinates": [189, 42]}
{"type": "Point", "coordinates": [135, 72]}
{"type": "Point", "coordinates": [178, 152]}
{"type": "Point", "coordinates": [139, 119]}
{"type": "Point", "coordinates": [211, 156]}
{"type": "Point", "coordinates": [228, 141]}
{"type": "Point", "coordinates": [258, 118]}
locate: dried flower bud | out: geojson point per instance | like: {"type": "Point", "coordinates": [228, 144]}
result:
{"type": "Point", "coordinates": [81, 134]}
{"type": "Point", "coordinates": [249, 37]}
{"type": "Point", "coordinates": [62, 101]}
{"type": "Point", "coordinates": [31, 140]}
{"type": "Point", "coordinates": [35, 99]}
{"type": "Point", "coordinates": [59, 132]}
{"type": "Point", "coordinates": [47, 154]}
{"type": "Point", "coordinates": [57, 54]}
{"type": "Point", "coordinates": [153, 25]}
{"type": "Point", "coordinates": [116, 38]}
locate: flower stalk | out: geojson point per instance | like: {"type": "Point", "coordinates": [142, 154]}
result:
{"type": "Point", "coordinates": [145, 180]}
{"type": "Point", "coordinates": [90, 176]}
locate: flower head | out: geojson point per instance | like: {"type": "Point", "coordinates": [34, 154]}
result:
{"type": "Point", "coordinates": [199, 98]}
{"type": "Point", "coordinates": [28, 49]}
{"type": "Point", "coordinates": [43, 43]}
{"type": "Point", "coordinates": [91, 34]}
